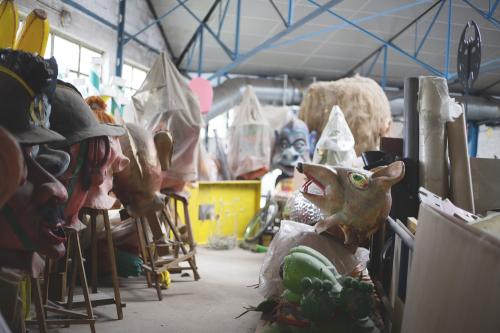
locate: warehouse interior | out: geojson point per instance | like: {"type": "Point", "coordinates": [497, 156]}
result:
{"type": "Point", "coordinates": [249, 166]}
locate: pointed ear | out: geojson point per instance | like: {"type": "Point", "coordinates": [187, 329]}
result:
{"type": "Point", "coordinates": [389, 175]}
{"type": "Point", "coordinates": [12, 167]}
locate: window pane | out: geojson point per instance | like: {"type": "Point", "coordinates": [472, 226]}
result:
{"type": "Point", "coordinates": [48, 49]}
{"type": "Point", "coordinates": [86, 58]}
{"type": "Point", "coordinates": [138, 76]}
{"type": "Point", "coordinates": [66, 54]}
{"type": "Point", "coordinates": [127, 74]}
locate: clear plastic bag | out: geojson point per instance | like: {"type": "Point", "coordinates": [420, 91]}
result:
{"type": "Point", "coordinates": [292, 234]}
{"type": "Point", "coordinates": [249, 138]}
{"type": "Point", "coordinates": [336, 144]}
{"type": "Point", "coordinates": [165, 102]}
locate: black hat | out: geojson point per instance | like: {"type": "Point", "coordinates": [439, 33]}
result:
{"type": "Point", "coordinates": [74, 119]}
{"type": "Point", "coordinates": [25, 81]}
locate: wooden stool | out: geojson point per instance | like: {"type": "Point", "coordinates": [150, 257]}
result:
{"type": "Point", "coordinates": [43, 305]}
{"type": "Point", "coordinates": [103, 299]}
{"type": "Point", "coordinates": [154, 264]}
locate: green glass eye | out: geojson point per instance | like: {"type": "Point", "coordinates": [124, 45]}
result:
{"type": "Point", "coordinates": [358, 180]}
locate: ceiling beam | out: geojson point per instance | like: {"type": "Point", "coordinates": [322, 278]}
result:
{"type": "Point", "coordinates": [351, 71]}
{"type": "Point", "coordinates": [197, 31]}
{"type": "Point", "coordinates": [152, 10]}
{"type": "Point", "coordinates": [269, 42]}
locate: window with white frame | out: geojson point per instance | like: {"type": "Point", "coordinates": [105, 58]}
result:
{"type": "Point", "coordinates": [74, 60]}
{"type": "Point", "coordinates": [133, 76]}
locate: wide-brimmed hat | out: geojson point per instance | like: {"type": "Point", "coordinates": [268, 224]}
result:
{"type": "Point", "coordinates": [74, 119]}
{"type": "Point", "coordinates": [25, 82]}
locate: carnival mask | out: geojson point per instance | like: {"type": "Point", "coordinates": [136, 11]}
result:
{"type": "Point", "coordinates": [98, 196]}
{"type": "Point", "coordinates": [32, 219]}
{"type": "Point", "coordinates": [138, 185]}
{"type": "Point", "coordinates": [291, 147]}
{"type": "Point", "coordinates": [86, 172]}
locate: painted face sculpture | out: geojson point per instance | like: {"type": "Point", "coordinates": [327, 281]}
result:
{"type": "Point", "coordinates": [291, 147]}
{"type": "Point", "coordinates": [138, 185]}
{"type": "Point", "coordinates": [12, 167]}
{"type": "Point", "coordinates": [354, 200]}
{"type": "Point", "coordinates": [32, 219]}
{"type": "Point", "coordinates": [98, 196]}
{"type": "Point", "coordinates": [86, 172]}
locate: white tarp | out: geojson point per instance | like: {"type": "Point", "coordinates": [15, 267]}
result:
{"type": "Point", "coordinates": [165, 102]}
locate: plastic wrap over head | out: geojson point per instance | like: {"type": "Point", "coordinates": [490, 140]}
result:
{"type": "Point", "coordinates": [354, 200]}
{"type": "Point", "coordinates": [138, 185]}
{"type": "Point", "coordinates": [291, 147]}
{"type": "Point", "coordinates": [164, 102]}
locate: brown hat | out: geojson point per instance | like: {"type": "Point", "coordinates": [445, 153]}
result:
{"type": "Point", "coordinates": [25, 82]}
{"type": "Point", "coordinates": [74, 119]}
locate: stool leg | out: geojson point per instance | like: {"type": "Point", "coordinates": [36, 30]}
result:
{"type": "Point", "coordinates": [112, 259]}
{"type": "Point", "coordinates": [83, 281]}
{"type": "Point", "coordinates": [142, 249]}
{"type": "Point", "coordinates": [46, 279]}
{"type": "Point", "coordinates": [151, 260]}
{"type": "Point", "coordinates": [40, 313]}
{"type": "Point", "coordinates": [93, 250]}
{"type": "Point", "coordinates": [74, 267]}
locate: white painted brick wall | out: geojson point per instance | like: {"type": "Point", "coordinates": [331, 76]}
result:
{"type": "Point", "coordinates": [88, 31]}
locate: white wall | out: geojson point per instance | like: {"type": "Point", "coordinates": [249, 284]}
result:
{"type": "Point", "coordinates": [90, 32]}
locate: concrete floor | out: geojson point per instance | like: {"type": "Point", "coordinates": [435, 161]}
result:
{"type": "Point", "coordinates": [208, 305]}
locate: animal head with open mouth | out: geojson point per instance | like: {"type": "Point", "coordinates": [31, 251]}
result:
{"type": "Point", "coordinates": [355, 200]}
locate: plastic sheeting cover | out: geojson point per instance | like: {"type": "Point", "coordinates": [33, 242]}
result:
{"type": "Point", "coordinates": [165, 102]}
{"type": "Point", "coordinates": [336, 144]}
{"type": "Point", "coordinates": [249, 138]}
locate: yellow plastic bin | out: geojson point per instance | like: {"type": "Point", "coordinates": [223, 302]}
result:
{"type": "Point", "coordinates": [234, 203]}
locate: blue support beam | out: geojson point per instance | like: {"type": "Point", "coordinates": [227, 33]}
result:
{"type": "Point", "coordinates": [488, 65]}
{"type": "Point", "coordinates": [485, 15]}
{"type": "Point", "coordinates": [415, 39]}
{"type": "Point", "coordinates": [209, 30]}
{"type": "Point", "coordinates": [384, 69]}
{"type": "Point", "coordinates": [472, 138]}
{"type": "Point", "coordinates": [266, 44]}
{"type": "Point", "coordinates": [200, 53]}
{"type": "Point", "coordinates": [344, 25]}
{"type": "Point", "coordinates": [427, 66]}
{"type": "Point", "coordinates": [370, 69]}
{"type": "Point", "coordinates": [159, 19]}
{"type": "Point", "coordinates": [223, 18]}
{"type": "Point", "coordinates": [107, 23]}
{"type": "Point", "coordinates": [237, 37]}
{"type": "Point", "coordinates": [290, 12]}
{"type": "Point", "coordinates": [417, 50]}
{"type": "Point", "coordinates": [493, 8]}
{"type": "Point", "coordinates": [448, 42]}
{"type": "Point", "coordinates": [120, 32]}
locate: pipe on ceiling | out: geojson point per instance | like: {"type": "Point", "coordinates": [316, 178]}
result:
{"type": "Point", "coordinates": [273, 91]}
{"type": "Point", "coordinates": [269, 91]}
{"type": "Point", "coordinates": [479, 108]}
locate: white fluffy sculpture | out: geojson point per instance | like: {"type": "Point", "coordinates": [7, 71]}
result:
{"type": "Point", "coordinates": [364, 103]}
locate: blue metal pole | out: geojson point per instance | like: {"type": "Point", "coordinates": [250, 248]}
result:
{"type": "Point", "coordinates": [384, 42]}
{"type": "Point", "coordinates": [448, 43]}
{"type": "Point", "coordinates": [492, 20]}
{"type": "Point", "coordinates": [210, 31]}
{"type": "Point", "coordinates": [278, 36]}
{"type": "Point", "coordinates": [161, 17]}
{"type": "Point", "coordinates": [221, 21]}
{"type": "Point", "coordinates": [493, 8]}
{"type": "Point", "coordinates": [417, 51]}
{"type": "Point", "coordinates": [120, 42]}
{"type": "Point", "coordinates": [472, 138]}
{"type": "Point", "coordinates": [486, 66]}
{"type": "Point", "coordinates": [346, 25]}
{"type": "Point", "coordinates": [190, 54]}
{"type": "Point", "coordinates": [370, 69]}
{"type": "Point", "coordinates": [384, 70]}
{"type": "Point", "coordinates": [415, 39]}
{"type": "Point", "coordinates": [200, 54]}
{"type": "Point", "coordinates": [237, 38]}
{"type": "Point", "coordinates": [290, 12]}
